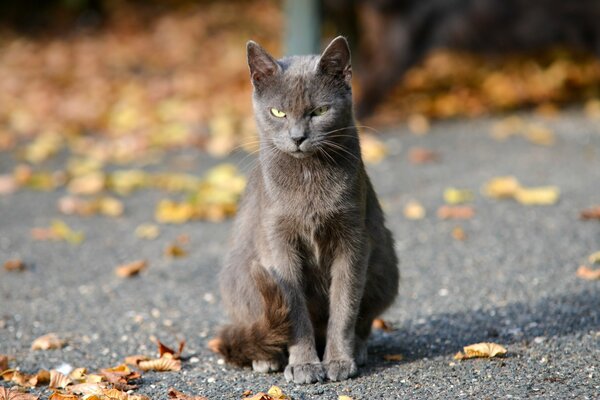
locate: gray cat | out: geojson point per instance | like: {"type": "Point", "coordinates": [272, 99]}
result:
{"type": "Point", "coordinates": [311, 263]}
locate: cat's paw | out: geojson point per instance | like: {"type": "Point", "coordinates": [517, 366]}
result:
{"type": "Point", "coordinates": [304, 373]}
{"type": "Point", "coordinates": [339, 370]}
{"type": "Point", "coordinates": [265, 366]}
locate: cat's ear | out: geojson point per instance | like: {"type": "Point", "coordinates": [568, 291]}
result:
{"type": "Point", "coordinates": [335, 60]}
{"type": "Point", "coordinates": [262, 64]}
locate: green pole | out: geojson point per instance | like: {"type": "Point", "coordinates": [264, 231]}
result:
{"type": "Point", "coordinates": [303, 33]}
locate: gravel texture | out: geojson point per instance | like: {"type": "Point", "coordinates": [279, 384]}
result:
{"type": "Point", "coordinates": [512, 281]}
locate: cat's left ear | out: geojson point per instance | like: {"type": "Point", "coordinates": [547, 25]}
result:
{"type": "Point", "coordinates": [335, 60]}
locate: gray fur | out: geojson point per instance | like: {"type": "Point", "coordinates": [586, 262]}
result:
{"type": "Point", "coordinates": [311, 219]}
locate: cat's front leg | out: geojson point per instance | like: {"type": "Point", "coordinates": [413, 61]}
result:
{"type": "Point", "coordinates": [348, 275]}
{"type": "Point", "coordinates": [304, 365]}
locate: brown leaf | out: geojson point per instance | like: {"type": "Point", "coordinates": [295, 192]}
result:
{"type": "Point", "coordinates": [383, 325]}
{"type": "Point", "coordinates": [481, 350]}
{"type": "Point", "coordinates": [458, 233]}
{"type": "Point", "coordinates": [14, 265]}
{"type": "Point", "coordinates": [21, 379]}
{"type": "Point", "coordinates": [259, 396]}
{"type": "Point", "coordinates": [87, 389]}
{"type": "Point", "coordinates": [160, 364]}
{"type": "Point", "coordinates": [58, 380]}
{"type": "Point", "coordinates": [214, 344]}
{"type": "Point", "coordinates": [3, 363]}
{"type": "Point", "coordinates": [393, 357]}
{"type": "Point", "coordinates": [47, 342]}
{"type": "Point", "coordinates": [591, 213]}
{"type": "Point", "coordinates": [585, 272]}
{"type": "Point", "coordinates": [455, 212]}
{"type": "Point", "coordinates": [177, 395]}
{"type": "Point", "coordinates": [57, 395]}
{"type": "Point", "coordinates": [420, 155]}
{"type": "Point", "coordinates": [131, 269]}
{"type": "Point", "coordinates": [135, 359]}
{"type": "Point", "coordinates": [15, 394]}
{"type": "Point", "coordinates": [175, 251]}
{"type": "Point", "coordinates": [164, 350]}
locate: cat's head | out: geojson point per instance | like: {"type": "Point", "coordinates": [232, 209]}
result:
{"type": "Point", "coordinates": [302, 103]}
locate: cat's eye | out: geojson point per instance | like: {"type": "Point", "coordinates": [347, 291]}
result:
{"type": "Point", "coordinates": [317, 112]}
{"type": "Point", "coordinates": [277, 113]}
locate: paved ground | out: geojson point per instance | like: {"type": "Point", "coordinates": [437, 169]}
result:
{"type": "Point", "coordinates": [512, 281]}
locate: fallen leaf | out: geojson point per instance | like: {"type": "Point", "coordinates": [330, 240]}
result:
{"type": "Point", "coordinates": [418, 124]}
{"type": "Point", "coordinates": [420, 155]}
{"type": "Point", "coordinates": [20, 378]}
{"type": "Point", "coordinates": [214, 344]}
{"type": "Point", "coordinates": [592, 213]}
{"type": "Point", "coordinates": [3, 363]}
{"type": "Point", "coordinates": [8, 184]}
{"type": "Point", "coordinates": [87, 389]}
{"type": "Point", "coordinates": [457, 196]}
{"type": "Point", "coordinates": [115, 394]}
{"type": "Point", "coordinates": [481, 350]}
{"type": "Point", "coordinates": [276, 393]}
{"type": "Point", "coordinates": [344, 397]}
{"type": "Point", "coordinates": [458, 233]}
{"type": "Point", "coordinates": [58, 380]}
{"type": "Point", "coordinates": [414, 210]}
{"type": "Point", "coordinates": [259, 396]}
{"type": "Point", "coordinates": [160, 364]}
{"type": "Point", "coordinates": [501, 187]}
{"type": "Point", "coordinates": [131, 269]}
{"type": "Point", "coordinates": [383, 325]}
{"type": "Point", "coordinates": [393, 357]}
{"type": "Point", "coordinates": [164, 350]}
{"type": "Point", "coordinates": [57, 395]}
{"type": "Point", "coordinates": [14, 265]}
{"type": "Point", "coordinates": [594, 258]}
{"type": "Point", "coordinates": [455, 212]}
{"type": "Point", "coordinates": [538, 134]}
{"type": "Point", "coordinates": [585, 272]}
{"type": "Point", "coordinates": [90, 183]}
{"type": "Point", "coordinates": [147, 231]}
{"type": "Point", "coordinates": [43, 377]}
{"type": "Point", "coordinates": [373, 150]}
{"type": "Point", "coordinates": [177, 395]}
{"type": "Point", "coordinates": [135, 359]}
{"type": "Point", "coordinates": [47, 342]}
{"type": "Point", "coordinates": [175, 251]}
{"type": "Point", "coordinates": [15, 394]}
{"type": "Point", "coordinates": [78, 374]}
{"type": "Point", "coordinates": [545, 195]}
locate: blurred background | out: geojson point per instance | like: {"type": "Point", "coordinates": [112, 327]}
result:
{"type": "Point", "coordinates": [111, 82]}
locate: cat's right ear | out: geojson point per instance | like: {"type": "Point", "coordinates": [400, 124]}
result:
{"type": "Point", "coordinates": [262, 64]}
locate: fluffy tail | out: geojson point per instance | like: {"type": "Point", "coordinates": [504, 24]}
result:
{"type": "Point", "coordinates": [265, 339]}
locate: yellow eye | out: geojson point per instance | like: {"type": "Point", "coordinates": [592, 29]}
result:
{"type": "Point", "coordinates": [277, 113]}
{"type": "Point", "coordinates": [320, 111]}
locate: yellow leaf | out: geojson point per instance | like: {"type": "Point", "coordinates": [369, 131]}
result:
{"type": "Point", "coordinates": [110, 206]}
{"type": "Point", "coordinates": [594, 258]}
{"type": "Point", "coordinates": [147, 231]}
{"type": "Point", "coordinates": [501, 187]}
{"type": "Point", "coordinates": [373, 150]}
{"type": "Point", "coordinates": [276, 393]}
{"type": "Point", "coordinates": [545, 195]}
{"type": "Point", "coordinates": [160, 364]}
{"type": "Point", "coordinates": [481, 350]}
{"type": "Point", "coordinates": [47, 342]}
{"type": "Point", "coordinates": [457, 196]}
{"type": "Point", "coordinates": [62, 231]}
{"type": "Point", "coordinates": [90, 183]}
{"type": "Point", "coordinates": [344, 397]}
{"type": "Point", "coordinates": [168, 211]}
{"type": "Point", "coordinates": [414, 210]}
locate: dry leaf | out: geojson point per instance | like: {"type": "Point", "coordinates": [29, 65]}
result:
{"type": "Point", "coordinates": [177, 395]}
{"type": "Point", "coordinates": [175, 251]}
{"type": "Point", "coordinates": [164, 350]}
{"type": "Point", "coordinates": [147, 231]}
{"type": "Point", "coordinates": [418, 124]}
{"type": "Point", "coordinates": [43, 377]}
{"type": "Point", "coordinates": [501, 187]}
{"type": "Point", "coordinates": [458, 233]}
{"type": "Point", "coordinates": [214, 344]}
{"type": "Point", "coordinates": [393, 357]}
{"type": "Point", "coordinates": [481, 350]}
{"type": "Point", "coordinates": [21, 379]}
{"type": "Point", "coordinates": [78, 374]}
{"type": "Point", "coordinates": [15, 394]}
{"type": "Point", "coordinates": [87, 389]}
{"type": "Point", "coordinates": [373, 150]}
{"type": "Point", "coordinates": [8, 184]}
{"type": "Point", "coordinates": [276, 393]}
{"type": "Point", "coordinates": [135, 359]}
{"type": "Point", "coordinates": [57, 395]}
{"type": "Point", "coordinates": [594, 258]}
{"type": "Point", "coordinates": [160, 364]}
{"type": "Point", "coordinates": [47, 342]}
{"type": "Point", "coordinates": [3, 363]}
{"type": "Point", "coordinates": [457, 196]}
{"type": "Point", "coordinates": [115, 394]}
{"type": "Point", "coordinates": [383, 325]}
{"type": "Point", "coordinates": [592, 213]}
{"type": "Point", "coordinates": [14, 265]}
{"type": "Point", "coordinates": [414, 210]}
{"type": "Point", "coordinates": [344, 397]}
{"type": "Point", "coordinates": [588, 273]}
{"type": "Point", "coordinates": [90, 183]}
{"type": "Point", "coordinates": [545, 195]}
{"type": "Point", "coordinates": [538, 134]}
{"type": "Point", "coordinates": [259, 396]}
{"type": "Point", "coordinates": [131, 269]}
{"type": "Point", "coordinates": [455, 212]}
{"type": "Point", "coordinates": [58, 380]}
{"type": "Point", "coordinates": [420, 155]}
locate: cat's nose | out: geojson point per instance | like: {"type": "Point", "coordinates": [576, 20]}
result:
{"type": "Point", "coordinates": [298, 139]}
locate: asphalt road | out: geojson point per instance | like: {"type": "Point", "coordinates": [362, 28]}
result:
{"type": "Point", "coordinates": [512, 281]}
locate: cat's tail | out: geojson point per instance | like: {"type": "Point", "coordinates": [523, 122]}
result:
{"type": "Point", "coordinates": [265, 339]}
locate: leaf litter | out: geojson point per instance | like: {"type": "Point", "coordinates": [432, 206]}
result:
{"type": "Point", "coordinates": [481, 350]}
